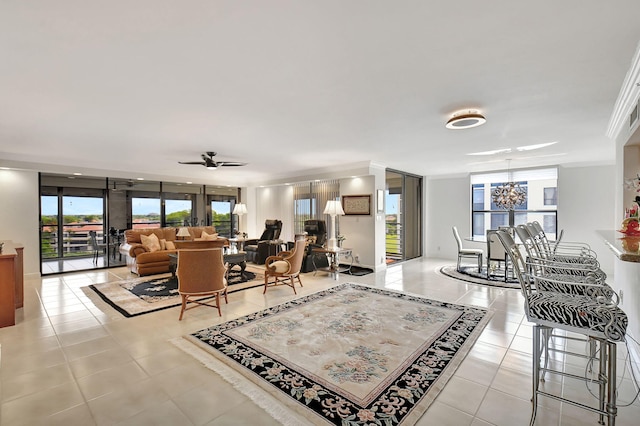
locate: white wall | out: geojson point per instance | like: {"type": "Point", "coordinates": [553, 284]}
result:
{"type": "Point", "coordinates": [448, 204]}
{"type": "Point", "coordinates": [586, 203]}
{"type": "Point", "coordinates": [19, 215]}
{"type": "Point", "coordinates": [273, 202]}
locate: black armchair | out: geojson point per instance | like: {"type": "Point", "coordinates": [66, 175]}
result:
{"type": "Point", "coordinates": [316, 231]}
{"type": "Point", "coordinates": [257, 250]}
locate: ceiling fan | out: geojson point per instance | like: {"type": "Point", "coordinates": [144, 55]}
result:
{"type": "Point", "coordinates": [209, 163]}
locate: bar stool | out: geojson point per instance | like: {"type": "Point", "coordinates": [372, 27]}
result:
{"type": "Point", "coordinates": [592, 315]}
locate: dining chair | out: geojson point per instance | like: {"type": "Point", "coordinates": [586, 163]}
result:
{"type": "Point", "coordinates": [496, 253]}
{"type": "Point", "coordinates": [98, 247]}
{"type": "Point", "coordinates": [466, 252]}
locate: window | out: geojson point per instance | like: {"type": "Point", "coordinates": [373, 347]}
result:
{"type": "Point", "coordinates": [145, 212]}
{"type": "Point", "coordinates": [551, 196]}
{"type": "Point", "coordinates": [540, 205]}
{"type": "Point", "coordinates": [177, 212]}
{"type": "Point", "coordinates": [221, 216]}
{"type": "Point", "coordinates": [309, 200]}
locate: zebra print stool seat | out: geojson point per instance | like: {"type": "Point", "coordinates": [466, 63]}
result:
{"type": "Point", "coordinates": [578, 314]}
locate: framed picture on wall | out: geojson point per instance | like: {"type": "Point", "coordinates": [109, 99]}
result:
{"type": "Point", "coordinates": [356, 204]}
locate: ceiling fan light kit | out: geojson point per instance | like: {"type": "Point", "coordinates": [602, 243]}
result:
{"type": "Point", "coordinates": [465, 120]}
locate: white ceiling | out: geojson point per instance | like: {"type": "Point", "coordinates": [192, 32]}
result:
{"type": "Point", "coordinates": [133, 87]}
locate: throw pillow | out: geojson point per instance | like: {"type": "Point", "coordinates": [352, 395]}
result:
{"type": "Point", "coordinates": [208, 237]}
{"type": "Point", "coordinates": [163, 244]}
{"type": "Point", "coordinates": [279, 266]}
{"type": "Point", "coordinates": [150, 242]}
{"type": "Point", "coordinates": [170, 245]}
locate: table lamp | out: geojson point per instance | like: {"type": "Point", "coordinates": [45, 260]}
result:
{"type": "Point", "coordinates": [183, 232]}
{"type": "Point", "coordinates": [333, 208]}
{"type": "Point", "coordinates": [239, 209]}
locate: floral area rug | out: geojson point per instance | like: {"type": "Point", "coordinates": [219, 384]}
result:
{"type": "Point", "coordinates": [470, 274]}
{"type": "Point", "coordinates": [350, 355]}
{"type": "Point", "coordinates": [140, 296]}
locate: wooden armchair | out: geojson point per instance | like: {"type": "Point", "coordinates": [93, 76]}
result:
{"type": "Point", "coordinates": [286, 265]}
{"type": "Point", "coordinates": [201, 273]}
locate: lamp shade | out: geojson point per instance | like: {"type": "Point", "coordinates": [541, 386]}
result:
{"type": "Point", "coordinates": [240, 209]}
{"type": "Point", "coordinates": [333, 208]}
{"type": "Point", "coordinates": [183, 232]}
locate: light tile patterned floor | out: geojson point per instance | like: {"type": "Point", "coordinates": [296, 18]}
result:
{"type": "Point", "coordinates": [73, 361]}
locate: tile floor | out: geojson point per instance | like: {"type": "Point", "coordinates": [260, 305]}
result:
{"type": "Point", "coordinates": [73, 360]}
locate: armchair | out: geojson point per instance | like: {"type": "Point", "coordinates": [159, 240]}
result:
{"type": "Point", "coordinates": [316, 231]}
{"type": "Point", "coordinates": [201, 273]}
{"type": "Point", "coordinates": [286, 265]}
{"type": "Point", "coordinates": [267, 245]}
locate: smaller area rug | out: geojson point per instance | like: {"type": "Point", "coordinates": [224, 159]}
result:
{"type": "Point", "coordinates": [140, 296]}
{"type": "Point", "coordinates": [357, 271]}
{"type": "Point", "coordinates": [470, 274]}
{"type": "Point", "coordinates": [350, 355]}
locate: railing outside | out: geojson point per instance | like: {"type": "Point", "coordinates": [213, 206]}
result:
{"type": "Point", "coordinates": [76, 241]}
{"type": "Point", "coordinates": [393, 239]}
{"type": "Point", "coordinates": [223, 228]}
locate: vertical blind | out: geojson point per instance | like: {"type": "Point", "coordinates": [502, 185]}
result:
{"type": "Point", "coordinates": [309, 200]}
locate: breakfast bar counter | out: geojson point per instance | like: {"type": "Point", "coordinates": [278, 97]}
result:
{"type": "Point", "coordinates": [626, 277]}
{"type": "Point", "coordinates": [626, 248]}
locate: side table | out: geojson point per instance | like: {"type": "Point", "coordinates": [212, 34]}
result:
{"type": "Point", "coordinates": [334, 260]}
{"type": "Point", "coordinates": [239, 242]}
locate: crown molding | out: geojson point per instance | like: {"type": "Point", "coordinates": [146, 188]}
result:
{"type": "Point", "coordinates": [627, 98]}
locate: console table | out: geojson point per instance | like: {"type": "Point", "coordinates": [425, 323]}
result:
{"type": "Point", "coordinates": [11, 282]}
{"type": "Point", "coordinates": [334, 260]}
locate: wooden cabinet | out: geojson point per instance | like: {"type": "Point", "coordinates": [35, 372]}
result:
{"type": "Point", "coordinates": [11, 282]}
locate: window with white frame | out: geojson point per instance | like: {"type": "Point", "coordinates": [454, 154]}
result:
{"type": "Point", "coordinates": [540, 205]}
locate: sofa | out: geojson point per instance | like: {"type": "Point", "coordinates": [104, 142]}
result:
{"type": "Point", "coordinates": [145, 256]}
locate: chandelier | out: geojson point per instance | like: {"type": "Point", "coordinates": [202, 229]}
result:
{"type": "Point", "coordinates": [510, 194]}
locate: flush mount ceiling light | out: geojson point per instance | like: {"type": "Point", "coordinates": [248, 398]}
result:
{"type": "Point", "coordinates": [466, 120]}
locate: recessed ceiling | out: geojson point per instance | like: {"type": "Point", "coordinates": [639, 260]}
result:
{"type": "Point", "coordinates": [135, 87]}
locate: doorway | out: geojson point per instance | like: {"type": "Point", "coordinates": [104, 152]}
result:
{"type": "Point", "coordinates": [403, 216]}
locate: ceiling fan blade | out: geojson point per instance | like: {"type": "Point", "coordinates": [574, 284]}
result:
{"type": "Point", "coordinates": [231, 163]}
{"type": "Point", "coordinates": [192, 162]}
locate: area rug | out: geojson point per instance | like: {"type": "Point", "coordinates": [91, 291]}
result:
{"type": "Point", "coordinates": [349, 355]}
{"type": "Point", "coordinates": [470, 274]}
{"type": "Point", "coordinates": [138, 296]}
{"type": "Point", "coordinates": [357, 271]}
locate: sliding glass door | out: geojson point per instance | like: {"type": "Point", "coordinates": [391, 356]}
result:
{"type": "Point", "coordinates": [72, 224]}
{"type": "Point", "coordinates": [403, 213]}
